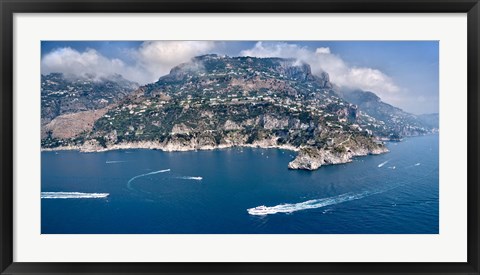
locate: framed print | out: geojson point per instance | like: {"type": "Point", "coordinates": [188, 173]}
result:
{"type": "Point", "coordinates": [239, 137]}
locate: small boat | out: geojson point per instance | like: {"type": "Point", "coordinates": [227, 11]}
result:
{"type": "Point", "coordinates": [261, 210]}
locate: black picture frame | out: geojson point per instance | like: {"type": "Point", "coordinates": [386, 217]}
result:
{"type": "Point", "coordinates": [10, 7]}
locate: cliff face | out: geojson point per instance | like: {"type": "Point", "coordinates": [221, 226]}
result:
{"type": "Point", "coordinates": [217, 102]}
{"type": "Point", "coordinates": [72, 124]}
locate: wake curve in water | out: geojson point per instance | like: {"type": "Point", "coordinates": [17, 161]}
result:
{"type": "Point", "coordinates": [73, 195]}
{"type": "Point", "coordinates": [114, 161]}
{"type": "Point", "coordinates": [129, 183]}
{"type": "Point", "coordinates": [383, 163]}
{"type": "Point", "coordinates": [310, 204]}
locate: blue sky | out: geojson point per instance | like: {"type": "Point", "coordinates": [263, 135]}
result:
{"type": "Point", "coordinates": [402, 73]}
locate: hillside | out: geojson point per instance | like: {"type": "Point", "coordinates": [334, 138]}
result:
{"type": "Point", "coordinates": [218, 101]}
{"type": "Point", "coordinates": [397, 123]}
{"type": "Point", "coordinates": [65, 95]}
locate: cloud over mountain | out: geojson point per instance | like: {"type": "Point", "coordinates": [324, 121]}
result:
{"type": "Point", "coordinates": [73, 62]}
{"type": "Point", "coordinates": [150, 61]}
{"type": "Point", "coordinates": [153, 59]}
{"type": "Point", "coordinates": [341, 73]}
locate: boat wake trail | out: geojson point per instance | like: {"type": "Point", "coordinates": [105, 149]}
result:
{"type": "Point", "coordinates": [73, 195]}
{"type": "Point", "coordinates": [310, 204]}
{"type": "Point", "coordinates": [318, 203]}
{"type": "Point", "coordinates": [114, 161]}
{"type": "Point", "coordinates": [413, 165]}
{"type": "Point", "coordinates": [190, 178]}
{"type": "Point", "coordinates": [383, 163]}
{"type": "Point", "coordinates": [129, 183]}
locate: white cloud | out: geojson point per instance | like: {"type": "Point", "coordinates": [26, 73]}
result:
{"type": "Point", "coordinates": [156, 58]}
{"type": "Point", "coordinates": [72, 62]}
{"type": "Point", "coordinates": [151, 60]}
{"type": "Point", "coordinates": [322, 50]}
{"type": "Point", "coordinates": [341, 73]}
{"type": "Point", "coordinates": [280, 49]}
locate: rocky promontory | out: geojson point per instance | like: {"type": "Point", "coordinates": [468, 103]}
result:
{"type": "Point", "coordinates": [310, 158]}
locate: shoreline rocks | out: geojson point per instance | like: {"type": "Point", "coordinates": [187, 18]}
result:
{"type": "Point", "coordinates": [92, 146]}
{"type": "Point", "coordinates": [310, 158]}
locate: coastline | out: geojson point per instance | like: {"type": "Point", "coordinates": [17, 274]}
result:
{"type": "Point", "coordinates": [308, 158]}
{"type": "Point", "coordinates": [167, 148]}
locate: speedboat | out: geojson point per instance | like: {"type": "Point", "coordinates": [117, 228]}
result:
{"type": "Point", "coordinates": [260, 210]}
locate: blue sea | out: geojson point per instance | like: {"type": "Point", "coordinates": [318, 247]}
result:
{"type": "Point", "coordinates": [210, 192]}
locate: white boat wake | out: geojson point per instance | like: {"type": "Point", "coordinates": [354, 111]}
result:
{"type": "Point", "coordinates": [310, 204]}
{"type": "Point", "coordinates": [383, 163]}
{"type": "Point", "coordinates": [319, 203]}
{"type": "Point", "coordinates": [190, 178]}
{"type": "Point", "coordinates": [417, 164]}
{"type": "Point", "coordinates": [129, 183]}
{"type": "Point", "coordinates": [114, 161]}
{"type": "Point", "coordinates": [73, 195]}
